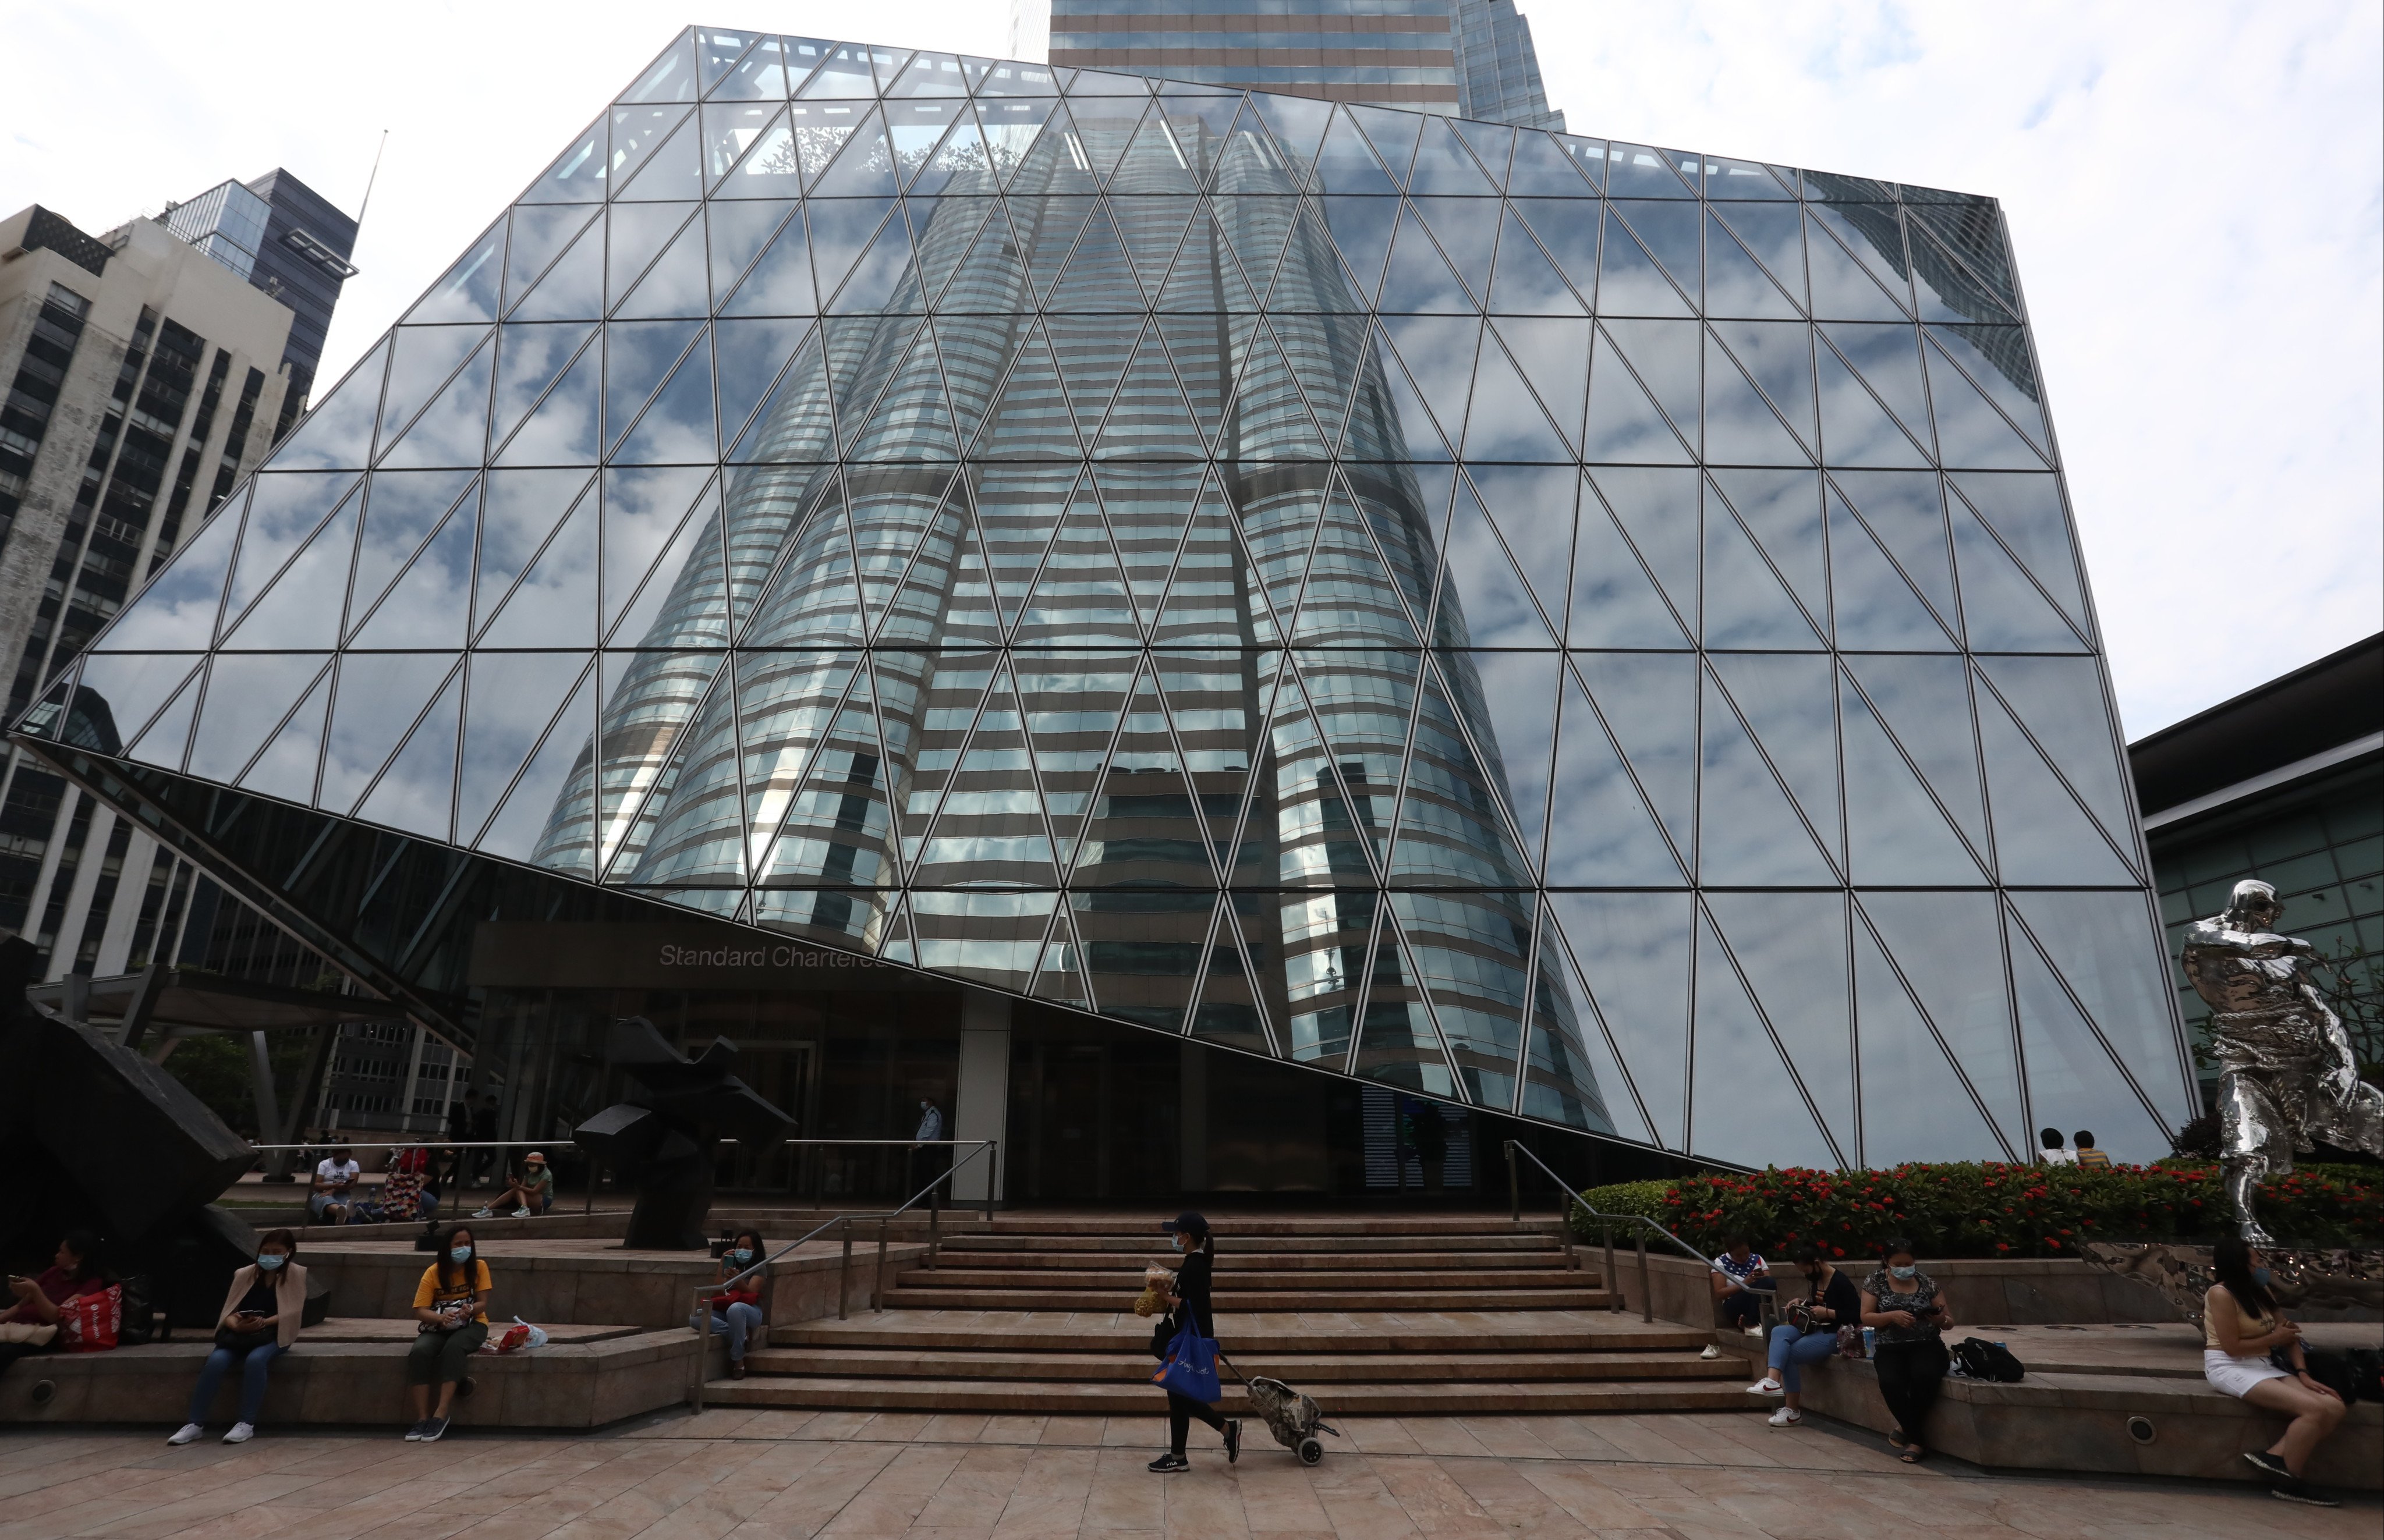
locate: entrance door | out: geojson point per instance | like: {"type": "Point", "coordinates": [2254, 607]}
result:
{"type": "Point", "coordinates": [780, 1073]}
{"type": "Point", "coordinates": [1068, 1126]}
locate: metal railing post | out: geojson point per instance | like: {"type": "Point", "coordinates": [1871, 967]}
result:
{"type": "Point", "coordinates": [1646, 1297]}
{"type": "Point", "coordinates": [1514, 1186]}
{"type": "Point", "coordinates": [1613, 1283]}
{"type": "Point", "coordinates": [844, 1273]}
{"type": "Point", "coordinates": [877, 1283]}
{"type": "Point", "coordinates": [700, 1319]}
{"type": "Point", "coordinates": [992, 1176]}
{"type": "Point", "coordinates": [935, 1229]}
{"type": "Point", "coordinates": [595, 1174]}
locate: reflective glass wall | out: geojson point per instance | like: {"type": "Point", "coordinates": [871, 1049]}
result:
{"type": "Point", "coordinates": [1577, 628]}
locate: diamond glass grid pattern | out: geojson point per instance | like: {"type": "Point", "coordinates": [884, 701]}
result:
{"type": "Point", "coordinates": [1593, 633]}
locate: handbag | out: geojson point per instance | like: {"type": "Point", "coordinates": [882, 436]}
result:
{"type": "Point", "coordinates": [89, 1323]}
{"type": "Point", "coordinates": [1850, 1343]}
{"type": "Point", "coordinates": [1191, 1367]}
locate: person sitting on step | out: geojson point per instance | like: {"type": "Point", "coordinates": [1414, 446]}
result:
{"type": "Point", "coordinates": [2242, 1331]}
{"type": "Point", "coordinates": [1742, 1283]}
{"type": "Point", "coordinates": [737, 1309]}
{"type": "Point", "coordinates": [259, 1322]}
{"type": "Point", "coordinates": [1810, 1332]}
{"type": "Point", "coordinates": [451, 1303]}
{"type": "Point", "coordinates": [531, 1193]}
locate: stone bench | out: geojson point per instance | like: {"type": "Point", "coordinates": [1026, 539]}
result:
{"type": "Point", "coordinates": [353, 1372]}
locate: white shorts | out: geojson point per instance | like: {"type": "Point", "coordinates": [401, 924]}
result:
{"type": "Point", "coordinates": [2236, 1376]}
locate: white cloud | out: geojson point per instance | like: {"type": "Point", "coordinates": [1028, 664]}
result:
{"type": "Point", "coordinates": [2193, 191]}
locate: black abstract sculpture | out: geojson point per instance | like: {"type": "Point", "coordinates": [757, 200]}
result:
{"type": "Point", "coordinates": [94, 1136]}
{"type": "Point", "coordinates": [665, 1141]}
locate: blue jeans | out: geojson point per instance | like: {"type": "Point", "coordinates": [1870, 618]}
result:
{"type": "Point", "coordinates": [1792, 1349]}
{"type": "Point", "coordinates": [252, 1380]}
{"type": "Point", "coordinates": [741, 1320]}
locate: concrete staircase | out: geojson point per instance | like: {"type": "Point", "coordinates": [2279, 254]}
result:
{"type": "Point", "coordinates": [1371, 1314]}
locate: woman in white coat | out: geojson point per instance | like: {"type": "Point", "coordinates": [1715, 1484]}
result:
{"type": "Point", "coordinates": [259, 1322]}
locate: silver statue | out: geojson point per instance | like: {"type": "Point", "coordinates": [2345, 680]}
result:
{"type": "Point", "coordinates": [2287, 1074]}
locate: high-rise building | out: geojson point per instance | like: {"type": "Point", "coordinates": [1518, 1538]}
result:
{"type": "Point", "coordinates": [1470, 57]}
{"type": "Point", "coordinates": [283, 237]}
{"type": "Point", "coordinates": [1157, 616]}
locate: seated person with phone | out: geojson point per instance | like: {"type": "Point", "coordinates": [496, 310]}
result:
{"type": "Point", "coordinates": [259, 1322]}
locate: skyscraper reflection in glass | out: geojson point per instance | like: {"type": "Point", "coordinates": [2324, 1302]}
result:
{"type": "Point", "coordinates": [1566, 626]}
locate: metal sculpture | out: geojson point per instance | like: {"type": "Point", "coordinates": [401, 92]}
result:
{"type": "Point", "coordinates": [666, 1141]}
{"type": "Point", "coordinates": [2288, 1077]}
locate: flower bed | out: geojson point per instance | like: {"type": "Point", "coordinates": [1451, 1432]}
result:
{"type": "Point", "coordinates": [1994, 1209]}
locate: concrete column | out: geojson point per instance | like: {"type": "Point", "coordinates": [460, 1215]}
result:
{"type": "Point", "coordinates": [53, 854]}
{"type": "Point", "coordinates": [124, 912]}
{"type": "Point", "coordinates": [86, 879]}
{"type": "Point", "coordinates": [981, 1101]}
{"type": "Point", "coordinates": [1192, 1118]}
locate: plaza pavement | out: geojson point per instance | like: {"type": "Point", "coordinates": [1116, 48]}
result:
{"type": "Point", "coordinates": [778, 1475]}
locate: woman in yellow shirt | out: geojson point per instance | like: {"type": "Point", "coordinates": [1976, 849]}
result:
{"type": "Point", "coordinates": [452, 1304]}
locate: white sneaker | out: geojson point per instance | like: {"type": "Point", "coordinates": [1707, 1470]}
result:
{"type": "Point", "coordinates": [241, 1434]}
{"type": "Point", "coordinates": [483, 1213]}
{"type": "Point", "coordinates": [1767, 1386]}
{"type": "Point", "coordinates": [1711, 1352]}
{"type": "Point", "coordinates": [1754, 1331]}
{"type": "Point", "coordinates": [1786, 1417]}
{"type": "Point", "coordinates": [189, 1433]}
{"type": "Point", "coordinates": [521, 1213]}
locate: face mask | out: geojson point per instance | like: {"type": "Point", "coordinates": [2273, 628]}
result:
{"type": "Point", "coordinates": [2260, 1276]}
{"type": "Point", "coordinates": [461, 1253]}
{"type": "Point", "coordinates": [741, 1254]}
{"type": "Point", "coordinates": [1178, 1243]}
{"type": "Point", "coordinates": [1902, 1272]}
{"type": "Point", "coordinates": [271, 1261]}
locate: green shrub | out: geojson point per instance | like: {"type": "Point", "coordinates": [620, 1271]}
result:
{"type": "Point", "coordinates": [1994, 1209]}
{"type": "Point", "coordinates": [1643, 1198]}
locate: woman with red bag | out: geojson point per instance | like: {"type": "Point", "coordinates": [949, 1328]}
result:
{"type": "Point", "coordinates": [52, 1299]}
{"type": "Point", "coordinates": [737, 1309]}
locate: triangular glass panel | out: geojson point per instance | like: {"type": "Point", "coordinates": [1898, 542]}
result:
{"type": "Point", "coordinates": [1443, 165]}
{"type": "Point", "coordinates": [1398, 1041]}
{"type": "Point", "coordinates": [2060, 701]}
{"type": "Point", "coordinates": [381, 694]}
{"type": "Point", "coordinates": [991, 278]}
{"type": "Point", "coordinates": [1571, 1076]}
{"type": "Point", "coordinates": [1207, 278]}
{"type": "Point", "coordinates": [1855, 430]}
{"type": "Point", "coordinates": [671, 76]}
{"type": "Point", "coordinates": [1542, 165]}
{"type": "Point", "coordinates": [1624, 424]}
{"type": "Point", "coordinates": [1971, 229]}
{"type": "Point", "coordinates": [1782, 509]}
{"type": "Point", "coordinates": [683, 599]}
{"type": "Point", "coordinates": [1876, 608]}
{"type": "Point", "coordinates": [574, 288]}
{"type": "Point", "coordinates": [1871, 231]}
{"type": "Point", "coordinates": [645, 702]}
{"type": "Point", "coordinates": [248, 696]}
{"type": "Point", "coordinates": [417, 793]}
{"type": "Point", "coordinates": [1665, 356]}
{"type": "Point", "coordinates": [1298, 124]}
{"type": "Point", "coordinates": [1747, 603]}
{"type": "Point", "coordinates": [1649, 701]}
{"type": "Point", "coordinates": [865, 166]}
{"type": "Point", "coordinates": [1505, 421]}
{"type": "Point", "coordinates": [1972, 431]}
{"type": "Point", "coordinates": [1792, 951]}
{"type": "Point", "coordinates": [1081, 594]}
{"type": "Point", "coordinates": [1924, 703]}
{"type": "Point", "coordinates": [1527, 283]}
{"type": "Point", "coordinates": [1916, 1104]}
{"type": "Point", "coordinates": [1256, 230]}
{"type": "Point", "coordinates": [1741, 427]}
{"type": "Point", "coordinates": [1997, 361]}
{"type": "Point", "coordinates": [1602, 831]}
{"type": "Point", "coordinates": [1946, 289]}
{"type": "Point", "coordinates": [1056, 163]}
{"type": "Point", "coordinates": [1466, 236]}
{"type": "Point", "coordinates": [512, 698]}
{"type": "Point", "coordinates": [912, 421]}
{"type": "Point", "coordinates": [1669, 231]}
{"type": "Point", "coordinates": [1011, 127]}
{"type": "Point", "coordinates": [1635, 951]}
{"type": "Point", "coordinates": [452, 430]}
{"type": "Point", "coordinates": [1018, 509]}
{"type": "Point", "coordinates": [428, 605]}
{"type": "Point", "coordinates": [1444, 824]}
{"type": "Point", "coordinates": [781, 283]}
{"type": "Point", "coordinates": [2025, 511]}
{"type": "Point", "coordinates": [563, 428]}
{"type": "Point", "coordinates": [643, 510]}
{"type": "Point", "coordinates": [1532, 507]}
{"type": "Point", "coordinates": [813, 598]}
{"type": "Point", "coordinates": [536, 821]}
{"type": "Point", "coordinates": [1615, 603]}
{"type": "Point", "coordinates": [1905, 509]}
{"type": "Point", "coordinates": [1030, 419]}
{"type": "Point", "coordinates": [1059, 974]}
{"type": "Point", "coordinates": [164, 741]}
{"type": "Point", "coordinates": [1735, 284]}
{"type": "Point", "coordinates": [1149, 418]}
{"type": "Point", "coordinates": [1151, 230]}
{"type": "Point", "coordinates": [1394, 136]}
{"type": "Point", "coordinates": [285, 509]}
{"type": "Point", "coordinates": [2003, 610]}
{"type": "Point", "coordinates": [676, 429]}
{"type": "Point", "coordinates": [1438, 354]}
{"type": "Point", "coordinates": [796, 422]}
{"type": "Point", "coordinates": [286, 766]}
{"type": "Point", "coordinates": [2073, 1081]}
{"type": "Point", "coordinates": [2106, 946]}
{"type": "Point", "coordinates": [1345, 163]}
{"type": "Point", "coordinates": [1568, 231]}
{"type": "Point", "coordinates": [772, 163]}
{"type": "Point", "coordinates": [672, 172]}
{"type": "Point", "coordinates": [642, 353]}
{"type": "Point", "coordinates": [1630, 282]}
{"type": "Point", "coordinates": [1885, 358]}
{"type": "Point", "coordinates": [841, 230]}
{"type": "Point", "coordinates": [1553, 354]}
{"type": "Point", "coordinates": [1658, 510]}
{"type": "Point", "coordinates": [1749, 832]}
{"type": "Point", "coordinates": [750, 354]}
{"type": "Point", "coordinates": [2042, 835]}
{"type": "Point", "coordinates": [1778, 356]}
{"type": "Point", "coordinates": [403, 508]}
{"type": "Point", "coordinates": [1517, 692]}
{"type": "Point", "coordinates": [675, 284]}
{"type": "Point", "coordinates": [1485, 600]}
{"type": "Point", "coordinates": [1934, 940]}
{"type": "Point", "coordinates": [1638, 171]}
{"type": "Point", "coordinates": [1350, 597]}
{"type": "Point", "coordinates": [637, 233]}
{"type": "Point", "coordinates": [1895, 834]}
{"type": "Point", "coordinates": [468, 291]}
{"type": "Point", "coordinates": [1269, 407]}
{"type": "Point", "coordinates": [1755, 1106]}
{"type": "Point", "coordinates": [520, 509]}
{"type": "Point", "coordinates": [554, 604]}
{"type": "Point", "coordinates": [1097, 277]}
{"type": "Point", "coordinates": [577, 174]}
{"type": "Point", "coordinates": [1842, 290]}
{"type": "Point", "coordinates": [337, 430]}
{"type": "Point", "coordinates": [301, 610]}
{"type": "Point", "coordinates": [1361, 233]}
{"type": "Point", "coordinates": [1786, 698]}
{"type": "Point", "coordinates": [128, 688]}
{"type": "Point", "coordinates": [1092, 353]}
{"type": "Point", "coordinates": [426, 357]}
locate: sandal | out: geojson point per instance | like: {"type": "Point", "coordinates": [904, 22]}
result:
{"type": "Point", "coordinates": [1912, 1455]}
{"type": "Point", "coordinates": [1897, 1439]}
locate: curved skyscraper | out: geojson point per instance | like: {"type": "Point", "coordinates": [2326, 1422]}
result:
{"type": "Point", "coordinates": [1566, 628]}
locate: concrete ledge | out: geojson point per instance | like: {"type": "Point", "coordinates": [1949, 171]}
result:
{"type": "Point", "coordinates": [565, 1384]}
{"type": "Point", "coordinates": [2031, 1291]}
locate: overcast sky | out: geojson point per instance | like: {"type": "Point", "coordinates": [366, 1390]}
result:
{"type": "Point", "coordinates": [2195, 192]}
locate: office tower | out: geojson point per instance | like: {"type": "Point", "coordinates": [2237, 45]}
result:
{"type": "Point", "coordinates": [281, 236]}
{"type": "Point", "coordinates": [1470, 57]}
{"type": "Point", "coordinates": [930, 566]}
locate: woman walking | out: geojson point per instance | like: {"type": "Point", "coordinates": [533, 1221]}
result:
{"type": "Point", "coordinates": [259, 1322]}
{"type": "Point", "coordinates": [1901, 1304]}
{"type": "Point", "coordinates": [452, 1304]}
{"type": "Point", "coordinates": [2240, 1328]}
{"type": "Point", "coordinates": [1188, 1304]}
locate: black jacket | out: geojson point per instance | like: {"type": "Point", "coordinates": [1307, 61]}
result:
{"type": "Point", "coordinates": [1192, 1290]}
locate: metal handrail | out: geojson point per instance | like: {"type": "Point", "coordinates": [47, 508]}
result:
{"type": "Point", "coordinates": [1606, 1223]}
{"type": "Point", "coordinates": [699, 1312]}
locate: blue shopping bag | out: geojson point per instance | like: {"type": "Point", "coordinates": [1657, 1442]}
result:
{"type": "Point", "coordinates": [1191, 1367]}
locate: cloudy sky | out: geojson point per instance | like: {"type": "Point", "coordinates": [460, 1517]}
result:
{"type": "Point", "coordinates": [2194, 190]}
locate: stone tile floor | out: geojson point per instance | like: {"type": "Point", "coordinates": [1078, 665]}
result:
{"type": "Point", "coordinates": [772, 1475]}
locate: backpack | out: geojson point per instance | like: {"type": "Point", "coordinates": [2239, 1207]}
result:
{"type": "Point", "coordinates": [1977, 1359]}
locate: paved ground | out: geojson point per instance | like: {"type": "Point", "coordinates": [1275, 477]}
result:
{"type": "Point", "coordinates": [780, 1475]}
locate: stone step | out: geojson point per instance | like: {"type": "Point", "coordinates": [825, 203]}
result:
{"type": "Point", "coordinates": [925, 1335]}
{"type": "Point", "coordinates": [1298, 1368]}
{"type": "Point", "coordinates": [1470, 1296]}
{"type": "Point", "coordinates": [979, 1238]}
{"type": "Point", "coordinates": [1493, 1284]}
{"type": "Point", "coordinates": [1236, 1263]}
{"type": "Point", "coordinates": [1143, 1400]}
{"type": "Point", "coordinates": [1236, 1225]}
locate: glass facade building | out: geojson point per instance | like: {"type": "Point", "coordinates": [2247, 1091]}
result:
{"type": "Point", "coordinates": [1582, 631]}
{"type": "Point", "coordinates": [281, 236]}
